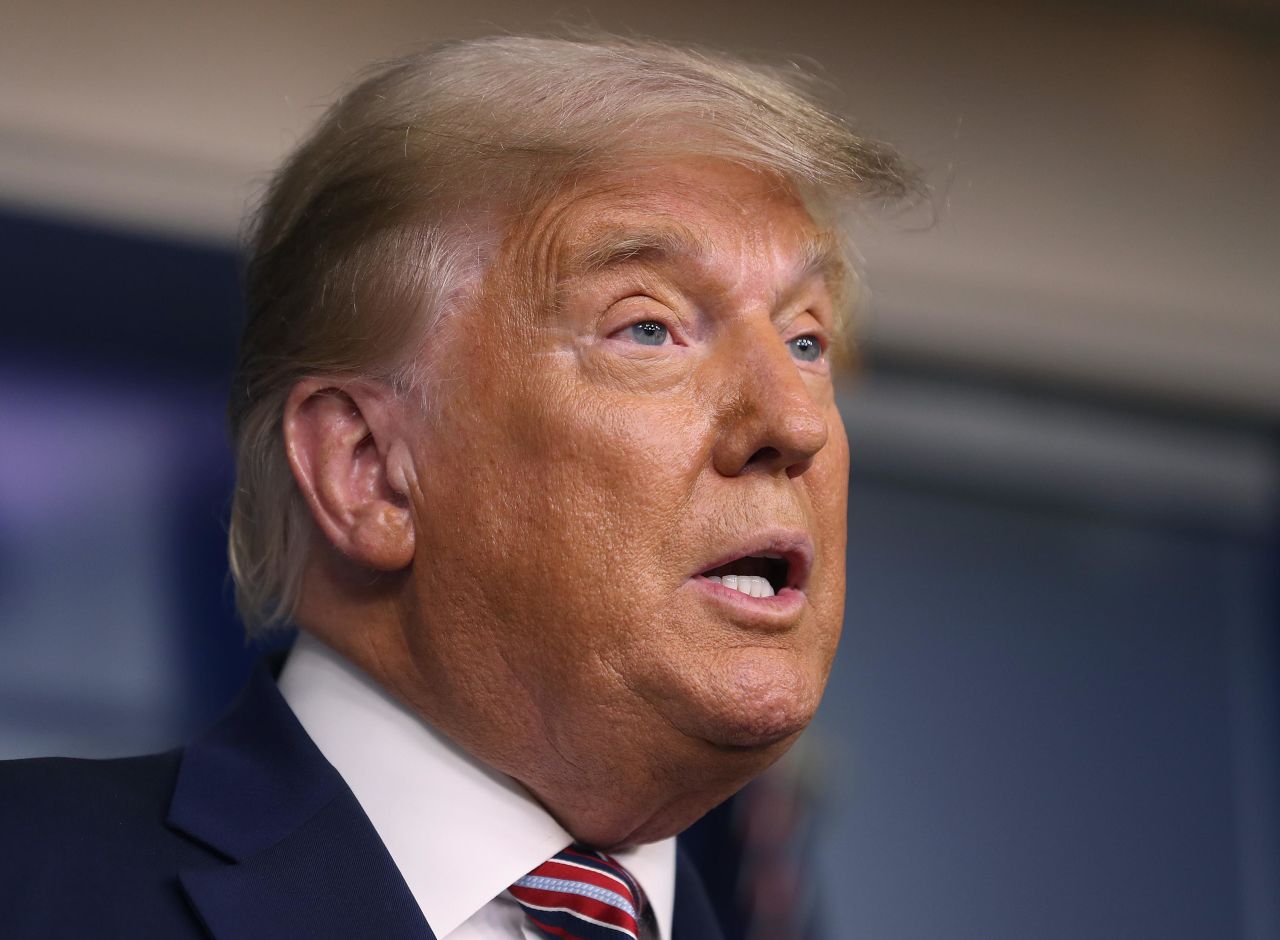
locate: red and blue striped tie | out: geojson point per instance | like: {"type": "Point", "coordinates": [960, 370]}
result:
{"type": "Point", "coordinates": [581, 894]}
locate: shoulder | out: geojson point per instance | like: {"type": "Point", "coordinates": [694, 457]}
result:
{"type": "Point", "coordinates": [85, 841]}
{"type": "Point", "coordinates": [44, 796]}
{"type": "Point", "coordinates": [59, 781]}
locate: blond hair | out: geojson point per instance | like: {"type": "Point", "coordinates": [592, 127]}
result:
{"type": "Point", "coordinates": [362, 239]}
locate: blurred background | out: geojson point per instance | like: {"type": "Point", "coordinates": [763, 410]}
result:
{"type": "Point", "coordinates": [1056, 709]}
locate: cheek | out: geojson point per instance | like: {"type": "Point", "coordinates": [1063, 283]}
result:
{"type": "Point", "coordinates": [607, 497]}
{"type": "Point", "coordinates": [827, 483]}
{"type": "Point", "coordinates": [832, 482]}
{"type": "Point", "coordinates": [828, 491]}
{"type": "Point", "coordinates": [610, 479]}
{"type": "Point", "coordinates": [571, 499]}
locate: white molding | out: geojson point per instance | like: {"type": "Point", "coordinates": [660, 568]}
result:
{"type": "Point", "coordinates": [1018, 445]}
{"type": "Point", "coordinates": [163, 193]}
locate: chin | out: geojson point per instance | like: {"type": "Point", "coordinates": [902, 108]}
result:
{"type": "Point", "coordinates": [759, 701]}
{"type": "Point", "coordinates": [757, 730]}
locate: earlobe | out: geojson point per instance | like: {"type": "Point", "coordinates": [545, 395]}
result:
{"type": "Point", "coordinates": [352, 477]}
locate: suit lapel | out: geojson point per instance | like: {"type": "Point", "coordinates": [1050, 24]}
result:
{"type": "Point", "coordinates": [693, 917]}
{"type": "Point", "coordinates": [302, 859]}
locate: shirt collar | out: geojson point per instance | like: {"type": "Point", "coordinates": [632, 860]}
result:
{"type": "Point", "coordinates": [459, 831]}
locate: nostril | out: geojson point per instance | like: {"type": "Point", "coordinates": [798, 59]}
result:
{"type": "Point", "coordinates": [766, 456]}
{"type": "Point", "coordinates": [800, 466]}
{"type": "Point", "coordinates": [771, 459]}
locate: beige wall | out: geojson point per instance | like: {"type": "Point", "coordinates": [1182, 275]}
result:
{"type": "Point", "coordinates": [1107, 180]}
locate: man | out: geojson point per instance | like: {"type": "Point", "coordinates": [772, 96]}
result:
{"type": "Point", "coordinates": [538, 446]}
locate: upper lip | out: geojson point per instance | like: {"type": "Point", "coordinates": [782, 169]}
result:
{"type": "Point", "coordinates": [794, 546]}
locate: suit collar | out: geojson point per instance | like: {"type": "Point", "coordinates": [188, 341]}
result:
{"type": "Point", "coordinates": [304, 859]}
{"type": "Point", "coordinates": [306, 862]}
{"type": "Point", "coordinates": [253, 777]}
{"type": "Point", "coordinates": [485, 829]}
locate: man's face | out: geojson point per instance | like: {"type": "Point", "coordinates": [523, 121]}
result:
{"type": "Point", "coordinates": [639, 398]}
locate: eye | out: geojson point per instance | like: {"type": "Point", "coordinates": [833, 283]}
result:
{"type": "Point", "coordinates": [806, 348]}
{"type": "Point", "coordinates": [648, 333]}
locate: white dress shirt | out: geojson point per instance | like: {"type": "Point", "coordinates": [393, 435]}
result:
{"type": "Point", "coordinates": [459, 832]}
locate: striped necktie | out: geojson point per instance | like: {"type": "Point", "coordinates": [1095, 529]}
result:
{"type": "Point", "coordinates": [581, 894]}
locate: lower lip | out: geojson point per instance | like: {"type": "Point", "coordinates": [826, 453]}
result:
{"type": "Point", "coordinates": [778, 611]}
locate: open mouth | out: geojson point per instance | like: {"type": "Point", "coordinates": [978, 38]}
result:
{"type": "Point", "coordinates": [766, 569]}
{"type": "Point", "coordinates": [757, 575]}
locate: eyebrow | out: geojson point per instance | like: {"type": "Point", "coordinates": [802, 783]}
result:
{"type": "Point", "coordinates": [819, 254]}
{"type": "Point", "coordinates": [823, 253]}
{"type": "Point", "coordinates": [618, 246]}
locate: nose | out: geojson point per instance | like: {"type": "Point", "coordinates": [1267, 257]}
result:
{"type": "Point", "coordinates": [769, 421]}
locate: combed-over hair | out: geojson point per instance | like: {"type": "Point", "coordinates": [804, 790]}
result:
{"type": "Point", "coordinates": [365, 234]}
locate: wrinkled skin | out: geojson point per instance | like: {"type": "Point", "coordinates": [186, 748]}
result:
{"type": "Point", "coordinates": [571, 481]}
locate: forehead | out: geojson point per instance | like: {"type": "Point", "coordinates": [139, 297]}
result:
{"type": "Point", "coordinates": [697, 213]}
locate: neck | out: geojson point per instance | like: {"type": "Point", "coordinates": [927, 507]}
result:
{"type": "Point", "coordinates": [654, 783]}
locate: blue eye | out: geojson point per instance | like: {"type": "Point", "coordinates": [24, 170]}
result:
{"type": "Point", "coordinates": [648, 333]}
{"type": "Point", "coordinates": [806, 348]}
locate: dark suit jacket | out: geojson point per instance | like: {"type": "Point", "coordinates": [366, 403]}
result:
{"type": "Point", "coordinates": [246, 833]}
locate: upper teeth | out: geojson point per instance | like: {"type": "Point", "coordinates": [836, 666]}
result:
{"type": "Point", "coordinates": [746, 583]}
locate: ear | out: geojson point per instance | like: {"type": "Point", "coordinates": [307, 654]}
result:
{"type": "Point", "coordinates": [351, 469]}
